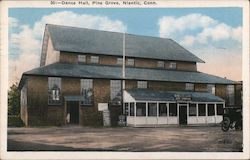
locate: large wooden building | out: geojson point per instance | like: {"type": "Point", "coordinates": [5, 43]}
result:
{"type": "Point", "coordinates": [149, 80]}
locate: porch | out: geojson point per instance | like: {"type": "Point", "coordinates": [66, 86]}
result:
{"type": "Point", "coordinates": [145, 107]}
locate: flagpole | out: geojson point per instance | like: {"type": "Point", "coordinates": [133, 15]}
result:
{"type": "Point", "coordinates": [123, 68]}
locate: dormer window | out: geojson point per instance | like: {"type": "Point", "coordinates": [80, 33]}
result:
{"type": "Point", "coordinates": [119, 61]}
{"type": "Point", "coordinates": [172, 65]}
{"type": "Point", "coordinates": [82, 58]}
{"type": "Point", "coordinates": [189, 86]}
{"type": "Point", "coordinates": [94, 59]}
{"type": "Point", "coordinates": [131, 62]}
{"type": "Point", "coordinates": [160, 64]}
{"type": "Point", "coordinates": [142, 84]}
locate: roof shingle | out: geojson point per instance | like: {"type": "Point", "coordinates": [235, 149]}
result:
{"type": "Point", "coordinates": [82, 40]}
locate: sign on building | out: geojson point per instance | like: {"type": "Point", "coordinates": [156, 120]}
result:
{"type": "Point", "coordinates": [102, 106]}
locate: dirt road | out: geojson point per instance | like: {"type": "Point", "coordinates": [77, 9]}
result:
{"type": "Point", "coordinates": [169, 139]}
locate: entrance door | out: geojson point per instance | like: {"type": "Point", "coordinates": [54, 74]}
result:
{"type": "Point", "coordinates": [183, 114]}
{"type": "Point", "coordinates": [73, 112]}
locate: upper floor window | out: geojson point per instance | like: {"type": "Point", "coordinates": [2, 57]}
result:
{"type": "Point", "coordinates": [189, 86]}
{"type": "Point", "coordinates": [160, 64]}
{"type": "Point", "coordinates": [119, 61]}
{"type": "Point", "coordinates": [87, 91]}
{"type": "Point", "coordinates": [172, 65]}
{"type": "Point", "coordinates": [115, 90]}
{"type": "Point", "coordinates": [82, 58]}
{"type": "Point", "coordinates": [131, 62]}
{"type": "Point", "coordinates": [230, 94]}
{"type": "Point", "coordinates": [211, 88]}
{"type": "Point", "coordinates": [94, 59]}
{"type": "Point", "coordinates": [142, 84]}
{"type": "Point", "coordinates": [54, 92]}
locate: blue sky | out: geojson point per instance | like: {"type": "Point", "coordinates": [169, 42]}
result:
{"type": "Point", "coordinates": [140, 21]}
{"type": "Point", "coordinates": [206, 32]}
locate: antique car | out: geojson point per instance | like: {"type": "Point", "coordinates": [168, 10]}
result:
{"type": "Point", "coordinates": [232, 118]}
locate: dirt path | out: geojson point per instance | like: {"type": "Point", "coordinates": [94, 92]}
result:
{"type": "Point", "coordinates": [76, 138]}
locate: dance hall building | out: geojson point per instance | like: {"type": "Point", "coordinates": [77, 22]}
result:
{"type": "Point", "coordinates": [94, 78]}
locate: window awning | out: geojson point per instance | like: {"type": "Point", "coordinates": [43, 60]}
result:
{"type": "Point", "coordinates": [74, 98]}
{"type": "Point", "coordinates": [150, 95]}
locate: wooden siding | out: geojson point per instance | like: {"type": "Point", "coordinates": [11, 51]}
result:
{"type": "Point", "coordinates": [139, 62]}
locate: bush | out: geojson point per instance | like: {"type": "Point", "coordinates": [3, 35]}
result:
{"type": "Point", "coordinates": [15, 121]}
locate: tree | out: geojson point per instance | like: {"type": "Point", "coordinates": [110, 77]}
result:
{"type": "Point", "coordinates": [14, 100]}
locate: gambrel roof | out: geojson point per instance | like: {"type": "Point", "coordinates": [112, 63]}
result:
{"type": "Point", "coordinates": [82, 40]}
{"type": "Point", "coordinates": [115, 72]}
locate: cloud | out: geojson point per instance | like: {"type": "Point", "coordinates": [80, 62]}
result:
{"type": "Point", "coordinates": [169, 25]}
{"type": "Point", "coordinates": [13, 22]}
{"type": "Point", "coordinates": [217, 43]}
{"type": "Point", "coordinates": [26, 41]}
{"type": "Point", "coordinates": [204, 29]}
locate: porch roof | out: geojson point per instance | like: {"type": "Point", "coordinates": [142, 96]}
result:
{"type": "Point", "coordinates": [132, 73]}
{"type": "Point", "coordinates": [150, 95]}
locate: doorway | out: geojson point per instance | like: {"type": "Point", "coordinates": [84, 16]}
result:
{"type": "Point", "coordinates": [72, 115]}
{"type": "Point", "coordinates": [182, 114]}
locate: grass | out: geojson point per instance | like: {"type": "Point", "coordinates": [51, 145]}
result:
{"type": "Point", "coordinates": [15, 121]}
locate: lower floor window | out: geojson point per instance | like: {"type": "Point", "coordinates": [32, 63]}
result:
{"type": "Point", "coordinates": [192, 109]}
{"type": "Point", "coordinates": [219, 109]}
{"type": "Point", "coordinates": [202, 109]}
{"type": "Point", "coordinates": [152, 109]}
{"type": "Point", "coordinates": [140, 109]}
{"type": "Point", "coordinates": [210, 108]}
{"type": "Point", "coordinates": [172, 109]}
{"type": "Point", "coordinates": [132, 107]}
{"type": "Point", "coordinates": [163, 109]}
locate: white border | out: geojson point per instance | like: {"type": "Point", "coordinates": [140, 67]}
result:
{"type": "Point", "coordinates": [124, 155]}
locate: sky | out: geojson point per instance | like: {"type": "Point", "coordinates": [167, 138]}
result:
{"type": "Point", "coordinates": [212, 34]}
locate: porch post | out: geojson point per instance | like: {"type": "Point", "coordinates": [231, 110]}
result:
{"type": "Point", "coordinates": [135, 114]}
{"type": "Point", "coordinates": [215, 112]}
{"type": "Point", "coordinates": [146, 113]}
{"type": "Point", "coordinates": [206, 113]}
{"type": "Point", "coordinates": [167, 112]}
{"type": "Point", "coordinates": [197, 113]}
{"type": "Point", "coordinates": [157, 111]}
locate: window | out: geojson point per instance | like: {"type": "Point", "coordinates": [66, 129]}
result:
{"type": "Point", "coordinates": [81, 58]}
{"type": "Point", "coordinates": [160, 64]}
{"type": "Point", "coordinates": [140, 109]}
{"type": "Point", "coordinates": [132, 108]}
{"type": "Point", "coordinates": [211, 88]}
{"type": "Point", "coordinates": [230, 94]}
{"type": "Point", "coordinates": [115, 90]}
{"type": "Point", "coordinates": [192, 109]}
{"type": "Point", "coordinates": [152, 109]}
{"type": "Point", "coordinates": [119, 61]}
{"type": "Point", "coordinates": [54, 90]}
{"type": "Point", "coordinates": [189, 86]}
{"type": "Point", "coordinates": [172, 65]}
{"type": "Point", "coordinates": [172, 109]}
{"type": "Point", "coordinates": [219, 109]}
{"type": "Point", "coordinates": [202, 109]}
{"type": "Point", "coordinates": [126, 111]}
{"type": "Point", "coordinates": [210, 108]}
{"type": "Point", "coordinates": [163, 109]}
{"type": "Point", "coordinates": [94, 59]}
{"type": "Point", "coordinates": [131, 62]}
{"type": "Point", "coordinates": [142, 84]}
{"type": "Point", "coordinates": [87, 91]}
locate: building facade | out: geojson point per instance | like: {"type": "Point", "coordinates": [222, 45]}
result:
{"type": "Point", "coordinates": [148, 80]}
